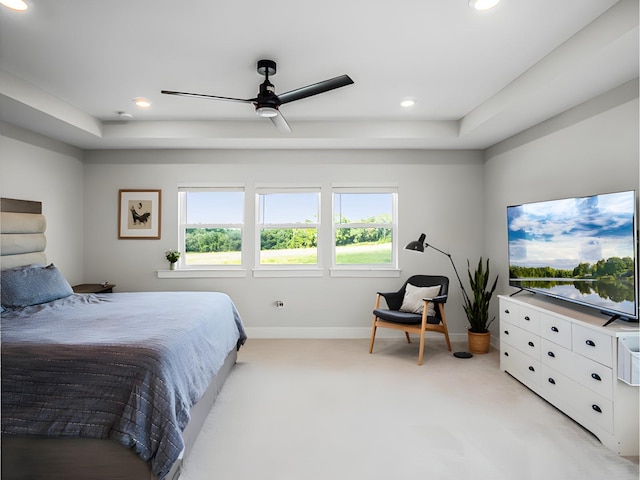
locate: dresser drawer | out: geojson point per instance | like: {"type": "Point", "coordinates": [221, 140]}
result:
{"type": "Point", "coordinates": [521, 366]}
{"type": "Point", "coordinates": [507, 330]}
{"type": "Point", "coordinates": [508, 311]}
{"type": "Point", "coordinates": [557, 357]}
{"type": "Point", "coordinates": [595, 345]}
{"type": "Point", "coordinates": [529, 319]}
{"type": "Point", "coordinates": [588, 373]}
{"type": "Point", "coordinates": [596, 377]}
{"type": "Point", "coordinates": [578, 400]}
{"type": "Point", "coordinates": [523, 340]}
{"type": "Point", "coordinates": [507, 357]}
{"type": "Point", "coordinates": [558, 330]}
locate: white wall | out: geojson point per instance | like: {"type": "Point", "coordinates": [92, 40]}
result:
{"type": "Point", "coordinates": [590, 149]}
{"type": "Point", "coordinates": [440, 193]}
{"type": "Point", "coordinates": [33, 167]}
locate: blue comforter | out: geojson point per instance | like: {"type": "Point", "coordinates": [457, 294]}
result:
{"type": "Point", "coordinates": [122, 366]}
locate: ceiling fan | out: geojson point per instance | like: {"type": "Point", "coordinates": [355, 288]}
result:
{"type": "Point", "coordinates": [267, 103]}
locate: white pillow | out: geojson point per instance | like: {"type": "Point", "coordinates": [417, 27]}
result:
{"type": "Point", "coordinates": [413, 296]}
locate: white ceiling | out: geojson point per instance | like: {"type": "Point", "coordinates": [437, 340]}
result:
{"type": "Point", "coordinates": [67, 67]}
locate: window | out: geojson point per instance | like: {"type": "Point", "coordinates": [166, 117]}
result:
{"type": "Point", "coordinates": [364, 227]}
{"type": "Point", "coordinates": [288, 237]}
{"type": "Point", "coordinates": [288, 226]}
{"type": "Point", "coordinates": [211, 225]}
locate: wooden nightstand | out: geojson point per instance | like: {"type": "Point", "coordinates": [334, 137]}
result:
{"type": "Point", "coordinates": [93, 288]}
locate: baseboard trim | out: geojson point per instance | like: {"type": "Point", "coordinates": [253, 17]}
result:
{"type": "Point", "coordinates": [337, 332]}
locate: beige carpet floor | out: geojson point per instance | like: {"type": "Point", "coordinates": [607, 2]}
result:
{"type": "Point", "coordinates": [327, 409]}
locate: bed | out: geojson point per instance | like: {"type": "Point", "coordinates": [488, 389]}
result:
{"type": "Point", "coordinates": [102, 386]}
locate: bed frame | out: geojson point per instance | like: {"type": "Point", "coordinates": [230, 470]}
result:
{"type": "Point", "coordinates": [27, 458]}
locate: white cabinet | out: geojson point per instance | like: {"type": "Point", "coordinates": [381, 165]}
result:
{"type": "Point", "coordinates": [567, 357]}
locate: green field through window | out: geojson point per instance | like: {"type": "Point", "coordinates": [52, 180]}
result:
{"type": "Point", "coordinates": [362, 254]}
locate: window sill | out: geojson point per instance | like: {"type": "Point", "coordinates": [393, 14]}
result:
{"type": "Point", "coordinates": [278, 273]}
{"type": "Point", "coordinates": [201, 273]}
{"type": "Point", "coordinates": [365, 272]}
{"type": "Point", "coordinates": [287, 272]}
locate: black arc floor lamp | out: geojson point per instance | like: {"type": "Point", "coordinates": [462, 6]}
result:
{"type": "Point", "coordinates": [419, 246]}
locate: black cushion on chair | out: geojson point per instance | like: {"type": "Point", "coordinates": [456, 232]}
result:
{"type": "Point", "coordinates": [394, 301]}
{"type": "Point", "coordinates": [406, 318]}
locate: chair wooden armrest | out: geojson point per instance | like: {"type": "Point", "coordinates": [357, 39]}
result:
{"type": "Point", "coordinates": [438, 299]}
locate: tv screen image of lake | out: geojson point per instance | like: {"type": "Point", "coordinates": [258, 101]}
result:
{"type": "Point", "coordinates": [580, 249]}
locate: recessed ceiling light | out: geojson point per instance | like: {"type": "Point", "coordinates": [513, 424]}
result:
{"type": "Point", "coordinates": [142, 102]}
{"type": "Point", "coordinates": [483, 4]}
{"type": "Point", "coordinates": [17, 5]}
{"type": "Point", "coordinates": [408, 102]}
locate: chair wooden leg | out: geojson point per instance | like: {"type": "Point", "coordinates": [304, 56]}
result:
{"type": "Point", "coordinates": [373, 334]}
{"type": "Point", "coordinates": [444, 324]}
{"type": "Point", "coordinates": [408, 337]}
{"type": "Point", "coordinates": [421, 354]}
{"type": "Point", "coordinates": [446, 337]}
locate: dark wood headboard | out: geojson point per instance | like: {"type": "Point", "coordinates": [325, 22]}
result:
{"type": "Point", "coordinates": [20, 206]}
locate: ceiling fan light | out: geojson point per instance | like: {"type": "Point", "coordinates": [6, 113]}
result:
{"type": "Point", "coordinates": [483, 4]}
{"type": "Point", "coordinates": [266, 112]}
{"type": "Point", "coordinates": [17, 5]}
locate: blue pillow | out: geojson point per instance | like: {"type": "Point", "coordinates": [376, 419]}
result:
{"type": "Point", "coordinates": [32, 285]}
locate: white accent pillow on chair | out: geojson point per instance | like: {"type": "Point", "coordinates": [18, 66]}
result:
{"type": "Point", "coordinates": [413, 296]}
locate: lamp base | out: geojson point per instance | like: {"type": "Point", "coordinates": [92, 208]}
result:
{"type": "Point", "coordinates": [462, 355]}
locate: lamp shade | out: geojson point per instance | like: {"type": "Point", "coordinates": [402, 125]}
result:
{"type": "Point", "coordinates": [417, 245]}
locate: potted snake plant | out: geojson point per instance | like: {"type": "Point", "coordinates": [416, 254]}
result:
{"type": "Point", "coordinates": [476, 307]}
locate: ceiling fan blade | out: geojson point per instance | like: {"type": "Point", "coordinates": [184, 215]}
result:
{"type": "Point", "coordinates": [280, 122]}
{"type": "Point", "coordinates": [315, 89]}
{"type": "Point", "coordinates": [210, 97]}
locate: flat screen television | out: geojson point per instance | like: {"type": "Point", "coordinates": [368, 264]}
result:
{"type": "Point", "coordinates": [583, 250]}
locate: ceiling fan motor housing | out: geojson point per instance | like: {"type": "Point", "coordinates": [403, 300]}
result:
{"type": "Point", "coordinates": [267, 98]}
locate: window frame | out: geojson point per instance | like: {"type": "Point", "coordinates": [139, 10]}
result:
{"type": "Point", "coordinates": [271, 269]}
{"type": "Point", "coordinates": [339, 269]}
{"type": "Point", "coordinates": [183, 226]}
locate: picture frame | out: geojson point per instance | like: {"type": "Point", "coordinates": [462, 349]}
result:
{"type": "Point", "coordinates": [139, 214]}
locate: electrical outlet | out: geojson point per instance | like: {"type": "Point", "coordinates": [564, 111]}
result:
{"type": "Point", "coordinates": [278, 304]}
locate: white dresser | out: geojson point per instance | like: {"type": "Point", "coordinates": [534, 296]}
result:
{"type": "Point", "coordinates": [567, 357]}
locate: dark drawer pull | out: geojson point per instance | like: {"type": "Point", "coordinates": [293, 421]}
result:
{"type": "Point", "coordinates": [506, 332]}
{"type": "Point", "coordinates": [554, 329]}
{"type": "Point", "coordinates": [532, 369]}
{"type": "Point", "coordinates": [595, 376]}
{"type": "Point", "coordinates": [596, 408]}
{"type": "Point", "coordinates": [507, 310]}
{"type": "Point", "coordinates": [551, 354]}
{"type": "Point", "coordinates": [552, 381]}
{"type": "Point", "coordinates": [526, 317]}
{"type": "Point", "coordinates": [506, 354]}
{"type": "Point", "coordinates": [531, 344]}
{"type": "Point", "coordinates": [590, 343]}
